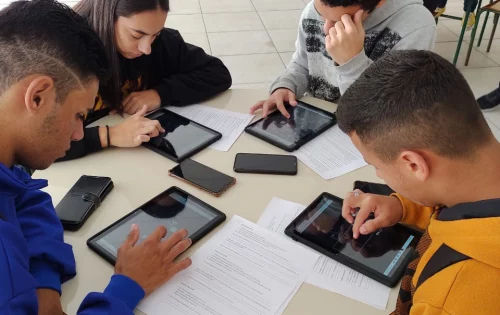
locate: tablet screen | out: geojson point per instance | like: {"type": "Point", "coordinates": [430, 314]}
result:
{"type": "Point", "coordinates": [181, 135]}
{"type": "Point", "coordinates": [305, 121]}
{"type": "Point", "coordinates": [383, 251]}
{"type": "Point", "coordinates": [173, 209]}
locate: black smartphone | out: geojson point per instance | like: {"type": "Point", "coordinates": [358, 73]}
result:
{"type": "Point", "coordinates": [203, 177]}
{"type": "Point", "coordinates": [265, 164]}
{"type": "Point", "coordinates": [373, 188]}
{"type": "Point", "coordinates": [83, 198]}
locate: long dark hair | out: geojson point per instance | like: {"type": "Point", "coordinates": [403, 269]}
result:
{"type": "Point", "coordinates": [102, 15]}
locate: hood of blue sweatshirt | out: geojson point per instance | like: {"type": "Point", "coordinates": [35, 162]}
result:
{"type": "Point", "coordinates": [33, 254]}
{"type": "Point", "coordinates": [31, 227]}
{"type": "Point", "coordinates": [14, 183]}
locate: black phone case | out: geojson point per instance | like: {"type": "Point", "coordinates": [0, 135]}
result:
{"type": "Point", "coordinates": [385, 280]}
{"type": "Point", "coordinates": [83, 201]}
{"type": "Point", "coordinates": [220, 218]}
{"type": "Point", "coordinates": [297, 146]}
{"type": "Point", "coordinates": [239, 169]}
{"type": "Point", "coordinates": [188, 154]}
{"type": "Point", "coordinates": [373, 188]}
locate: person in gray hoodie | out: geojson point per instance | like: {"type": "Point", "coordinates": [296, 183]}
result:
{"type": "Point", "coordinates": [339, 39]}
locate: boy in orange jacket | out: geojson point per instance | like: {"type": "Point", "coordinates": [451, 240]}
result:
{"type": "Point", "coordinates": [414, 118]}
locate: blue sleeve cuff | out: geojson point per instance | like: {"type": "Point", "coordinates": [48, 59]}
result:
{"type": "Point", "coordinates": [46, 275]}
{"type": "Point", "coordinates": [125, 289]}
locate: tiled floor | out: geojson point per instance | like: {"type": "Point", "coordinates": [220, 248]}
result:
{"type": "Point", "coordinates": [256, 39]}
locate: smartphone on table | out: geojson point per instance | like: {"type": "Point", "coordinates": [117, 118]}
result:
{"type": "Point", "coordinates": [82, 200]}
{"type": "Point", "coordinates": [265, 164]}
{"type": "Point", "coordinates": [203, 177]}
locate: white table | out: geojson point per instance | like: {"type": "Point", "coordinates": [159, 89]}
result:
{"type": "Point", "coordinates": [140, 174]}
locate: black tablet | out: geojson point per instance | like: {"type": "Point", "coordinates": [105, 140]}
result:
{"type": "Point", "coordinates": [382, 256]}
{"type": "Point", "coordinates": [174, 208]}
{"type": "Point", "coordinates": [182, 137]}
{"type": "Point", "coordinates": [305, 123]}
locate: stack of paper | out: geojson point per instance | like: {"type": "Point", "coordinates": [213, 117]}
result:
{"type": "Point", "coordinates": [327, 274]}
{"type": "Point", "coordinates": [331, 154]}
{"type": "Point", "coordinates": [244, 269]}
{"type": "Point", "coordinates": [229, 124]}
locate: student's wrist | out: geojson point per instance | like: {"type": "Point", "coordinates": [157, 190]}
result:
{"type": "Point", "coordinates": [399, 209]}
{"type": "Point", "coordinates": [103, 136]}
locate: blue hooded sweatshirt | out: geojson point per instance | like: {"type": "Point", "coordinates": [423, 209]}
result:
{"type": "Point", "coordinates": [33, 254]}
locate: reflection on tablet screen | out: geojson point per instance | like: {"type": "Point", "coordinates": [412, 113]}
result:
{"type": "Point", "coordinates": [173, 211]}
{"type": "Point", "coordinates": [181, 136]}
{"type": "Point", "coordinates": [303, 122]}
{"type": "Point", "coordinates": [382, 251]}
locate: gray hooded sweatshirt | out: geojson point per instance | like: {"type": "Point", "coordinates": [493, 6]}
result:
{"type": "Point", "coordinates": [398, 24]}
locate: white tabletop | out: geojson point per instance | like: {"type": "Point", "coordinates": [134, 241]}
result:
{"type": "Point", "coordinates": [140, 174]}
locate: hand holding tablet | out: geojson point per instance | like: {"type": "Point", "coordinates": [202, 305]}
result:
{"type": "Point", "coordinates": [174, 209]}
{"type": "Point", "coordinates": [387, 211]}
{"type": "Point", "coordinates": [151, 263]}
{"type": "Point", "coordinates": [181, 138]}
{"type": "Point", "coordinates": [305, 123]}
{"type": "Point", "coordinates": [382, 255]}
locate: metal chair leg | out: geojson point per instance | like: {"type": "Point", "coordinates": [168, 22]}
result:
{"type": "Point", "coordinates": [479, 4]}
{"type": "Point", "coordinates": [473, 36]}
{"type": "Point", "coordinates": [484, 28]}
{"type": "Point", "coordinates": [495, 21]}
{"type": "Point", "coordinates": [462, 33]}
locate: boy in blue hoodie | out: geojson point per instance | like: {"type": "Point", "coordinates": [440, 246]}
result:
{"type": "Point", "coordinates": [50, 66]}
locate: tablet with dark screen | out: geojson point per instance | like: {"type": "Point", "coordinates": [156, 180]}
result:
{"type": "Point", "coordinates": [182, 137]}
{"type": "Point", "coordinates": [382, 256]}
{"type": "Point", "coordinates": [305, 123]}
{"type": "Point", "coordinates": [175, 209]}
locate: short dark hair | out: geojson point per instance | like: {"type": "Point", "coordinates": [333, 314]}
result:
{"type": "Point", "coordinates": [46, 37]}
{"type": "Point", "coordinates": [102, 15]}
{"type": "Point", "coordinates": [367, 5]}
{"type": "Point", "coordinates": [411, 100]}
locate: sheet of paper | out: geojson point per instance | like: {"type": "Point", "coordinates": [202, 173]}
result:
{"type": "Point", "coordinates": [327, 274]}
{"type": "Point", "coordinates": [244, 269]}
{"type": "Point", "coordinates": [333, 276]}
{"type": "Point", "coordinates": [277, 223]}
{"type": "Point", "coordinates": [331, 154]}
{"type": "Point", "coordinates": [288, 300]}
{"type": "Point", "coordinates": [229, 124]}
{"type": "Point", "coordinates": [278, 214]}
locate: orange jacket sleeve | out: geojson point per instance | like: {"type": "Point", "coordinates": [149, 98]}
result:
{"type": "Point", "coordinates": [426, 309]}
{"type": "Point", "coordinates": [415, 214]}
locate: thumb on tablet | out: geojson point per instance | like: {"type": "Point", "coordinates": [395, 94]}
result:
{"type": "Point", "coordinates": [142, 111]}
{"type": "Point", "coordinates": [138, 140]}
{"type": "Point", "coordinates": [371, 226]}
{"type": "Point", "coordinates": [291, 98]}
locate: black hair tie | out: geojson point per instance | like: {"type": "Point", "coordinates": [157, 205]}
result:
{"type": "Point", "coordinates": [109, 138]}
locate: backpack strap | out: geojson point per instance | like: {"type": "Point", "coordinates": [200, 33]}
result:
{"type": "Point", "coordinates": [444, 257]}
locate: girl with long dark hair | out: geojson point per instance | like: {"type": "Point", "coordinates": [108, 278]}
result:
{"type": "Point", "coordinates": [151, 66]}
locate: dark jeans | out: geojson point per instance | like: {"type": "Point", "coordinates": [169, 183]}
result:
{"type": "Point", "coordinates": [468, 3]}
{"type": "Point", "coordinates": [442, 4]}
{"type": "Point", "coordinates": [431, 5]}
